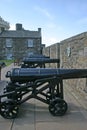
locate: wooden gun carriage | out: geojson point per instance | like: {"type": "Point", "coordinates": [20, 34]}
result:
{"type": "Point", "coordinates": [44, 84]}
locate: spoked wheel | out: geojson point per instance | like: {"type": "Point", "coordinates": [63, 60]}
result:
{"type": "Point", "coordinates": [58, 107]}
{"type": "Point", "coordinates": [9, 109]}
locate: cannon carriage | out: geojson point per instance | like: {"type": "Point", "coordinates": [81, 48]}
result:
{"type": "Point", "coordinates": [44, 84]}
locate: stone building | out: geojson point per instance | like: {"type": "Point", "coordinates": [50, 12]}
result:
{"type": "Point", "coordinates": [16, 44]}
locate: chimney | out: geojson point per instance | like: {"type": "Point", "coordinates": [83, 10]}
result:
{"type": "Point", "coordinates": [18, 26]}
{"type": "Point", "coordinates": [39, 29]}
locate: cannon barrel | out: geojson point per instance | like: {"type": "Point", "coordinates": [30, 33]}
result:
{"type": "Point", "coordinates": [37, 61]}
{"type": "Point", "coordinates": [32, 74]}
{"type": "Point", "coordinates": [40, 60]}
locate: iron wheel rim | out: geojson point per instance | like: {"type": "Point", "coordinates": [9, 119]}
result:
{"type": "Point", "coordinates": [58, 107]}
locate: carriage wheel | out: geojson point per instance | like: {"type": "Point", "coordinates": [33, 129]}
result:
{"type": "Point", "coordinates": [9, 109]}
{"type": "Point", "coordinates": [58, 107]}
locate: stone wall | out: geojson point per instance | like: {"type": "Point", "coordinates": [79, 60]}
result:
{"type": "Point", "coordinates": [22, 50]}
{"type": "Point", "coordinates": [72, 53]}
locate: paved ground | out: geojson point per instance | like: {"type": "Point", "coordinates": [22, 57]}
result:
{"type": "Point", "coordinates": [34, 115]}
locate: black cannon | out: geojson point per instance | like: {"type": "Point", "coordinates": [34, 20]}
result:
{"type": "Point", "coordinates": [42, 84]}
{"type": "Point", "coordinates": [40, 61]}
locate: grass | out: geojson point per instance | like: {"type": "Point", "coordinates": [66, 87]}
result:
{"type": "Point", "coordinates": [7, 62]}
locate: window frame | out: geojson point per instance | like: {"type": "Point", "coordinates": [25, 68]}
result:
{"type": "Point", "coordinates": [30, 43]}
{"type": "Point", "coordinates": [8, 42]}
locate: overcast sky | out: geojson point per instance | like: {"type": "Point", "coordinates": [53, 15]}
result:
{"type": "Point", "coordinates": [59, 19]}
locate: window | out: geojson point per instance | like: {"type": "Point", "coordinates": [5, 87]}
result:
{"type": "Point", "coordinates": [9, 56]}
{"type": "Point", "coordinates": [30, 43]}
{"type": "Point", "coordinates": [8, 42]}
{"type": "Point", "coordinates": [68, 51]}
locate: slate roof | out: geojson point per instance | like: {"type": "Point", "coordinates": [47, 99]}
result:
{"type": "Point", "coordinates": [20, 33]}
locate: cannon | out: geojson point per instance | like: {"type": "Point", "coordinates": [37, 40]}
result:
{"type": "Point", "coordinates": [40, 61]}
{"type": "Point", "coordinates": [44, 84]}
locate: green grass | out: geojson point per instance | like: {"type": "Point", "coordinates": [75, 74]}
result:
{"type": "Point", "coordinates": [7, 62]}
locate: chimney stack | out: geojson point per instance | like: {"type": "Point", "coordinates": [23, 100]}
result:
{"type": "Point", "coordinates": [18, 26]}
